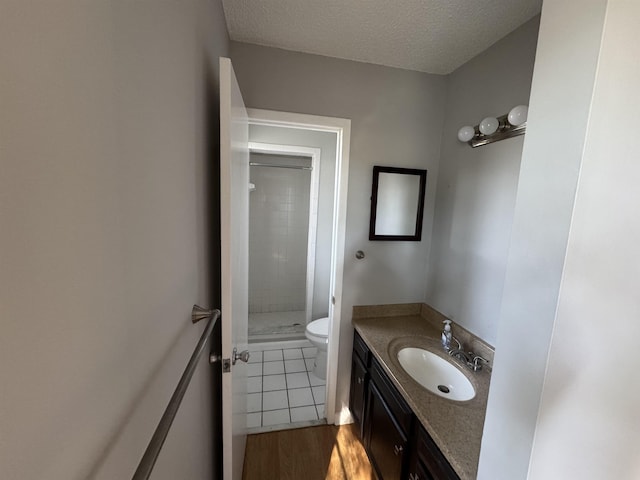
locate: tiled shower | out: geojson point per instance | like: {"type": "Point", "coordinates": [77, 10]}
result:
{"type": "Point", "coordinates": [278, 242]}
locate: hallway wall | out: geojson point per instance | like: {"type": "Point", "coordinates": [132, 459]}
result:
{"type": "Point", "coordinates": [107, 138]}
{"type": "Point", "coordinates": [587, 425]}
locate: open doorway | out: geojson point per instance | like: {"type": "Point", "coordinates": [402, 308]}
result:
{"type": "Point", "coordinates": [299, 169]}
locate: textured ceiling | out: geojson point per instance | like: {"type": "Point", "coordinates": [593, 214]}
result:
{"type": "Point", "coordinates": [434, 36]}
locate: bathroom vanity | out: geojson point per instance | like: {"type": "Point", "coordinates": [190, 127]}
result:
{"type": "Point", "coordinates": [408, 432]}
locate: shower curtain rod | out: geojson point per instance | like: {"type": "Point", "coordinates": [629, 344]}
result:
{"type": "Point", "coordinates": [294, 167]}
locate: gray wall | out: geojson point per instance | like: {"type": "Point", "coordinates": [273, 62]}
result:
{"type": "Point", "coordinates": [477, 186]}
{"type": "Point", "coordinates": [561, 94]}
{"type": "Point", "coordinates": [109, 114]}
{"type": "Point", "coordinates": [587, 426]}
{"type": "Point", "coordinates": [396, 119]}
{"type": "Point", "coordinates": [326, 142]}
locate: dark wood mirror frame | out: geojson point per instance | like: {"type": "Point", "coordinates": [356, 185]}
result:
{"type": "Point", "coordinates": [419, 213]}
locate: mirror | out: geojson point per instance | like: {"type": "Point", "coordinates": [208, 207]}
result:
{"type": "Point", "coordinates": [397, 203]}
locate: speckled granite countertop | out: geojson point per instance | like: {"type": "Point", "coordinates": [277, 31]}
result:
{"type": "Point", "coordinates": [456, 427]}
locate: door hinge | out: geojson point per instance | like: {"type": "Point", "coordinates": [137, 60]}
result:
{"type": "Point", "coordinates": [333, 300]}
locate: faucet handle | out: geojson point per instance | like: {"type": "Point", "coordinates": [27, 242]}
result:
{"type": "Point", "coordinates": [478, 361]}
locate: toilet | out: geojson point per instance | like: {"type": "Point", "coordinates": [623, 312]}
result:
{"type": "Point", "coordinates": [318, 334]}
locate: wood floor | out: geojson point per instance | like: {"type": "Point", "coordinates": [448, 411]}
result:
{"type": "Point", "coordinates": [324, 452]}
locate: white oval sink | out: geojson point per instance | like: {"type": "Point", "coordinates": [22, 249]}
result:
{"type": "Point", "coordinates": [436, 374]}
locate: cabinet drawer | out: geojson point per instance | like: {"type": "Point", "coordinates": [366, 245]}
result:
{"type": "Point", "coordinates": [361, 349]}
{"type": "Point", "coordinates": [398, 407]}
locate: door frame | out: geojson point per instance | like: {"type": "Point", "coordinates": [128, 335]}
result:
{"type": "Point", "coordinates": [314, 195]}
{"type": "Point", "coordinates": [342, 128]}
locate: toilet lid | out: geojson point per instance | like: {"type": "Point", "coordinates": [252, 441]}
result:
{"type": "Point", "coordinates": [319, 327]}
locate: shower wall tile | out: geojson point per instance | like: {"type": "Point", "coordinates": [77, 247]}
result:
{"type": "Point", "coordinates": [278, 237]}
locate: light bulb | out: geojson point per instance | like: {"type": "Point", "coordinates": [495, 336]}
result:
{"type": "Point", "coordinates": [466, 133]}
{"type": "Point", "coordinates": [489, 125]}
{"type": "Point", "coordinates": [518, 115]}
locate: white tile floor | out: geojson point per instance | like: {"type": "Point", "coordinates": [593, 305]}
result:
{"type": "Point", "coordinates": [282, 388]}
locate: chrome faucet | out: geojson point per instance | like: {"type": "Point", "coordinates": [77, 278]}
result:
{"type": "Point", "coordinates": [477, 363]}
{"type": "Point", "coordinates": [472, 360]}
{"type": "Point", "coordinates": [460, 354]}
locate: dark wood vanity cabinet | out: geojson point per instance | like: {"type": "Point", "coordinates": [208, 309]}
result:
{"type": "Point", "coordinates": [397, 445]}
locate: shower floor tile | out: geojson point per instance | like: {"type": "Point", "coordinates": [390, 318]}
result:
{"type": "Point", "coordinates": [271, 326]}
{"type": "Point", "coordinates": [282, 388]}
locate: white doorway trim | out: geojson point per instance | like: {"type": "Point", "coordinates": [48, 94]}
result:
{"type": "Point", "coordinates": [342, 128]}
{"type": "Point", "coordinates": [314, 189]}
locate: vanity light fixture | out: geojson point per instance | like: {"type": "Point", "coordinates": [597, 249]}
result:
{"type": "Point", "coordinates": [492, 129]}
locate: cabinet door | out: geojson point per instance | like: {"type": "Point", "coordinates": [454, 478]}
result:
{"type": "Point", "coordinates": [432, 459]}
{"type": "Point", "coordinates": [385, 442]}
{"type": "Point", "coordinates": [420, 473]}
{"type": "Point", "coordinates": [359, 378]}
